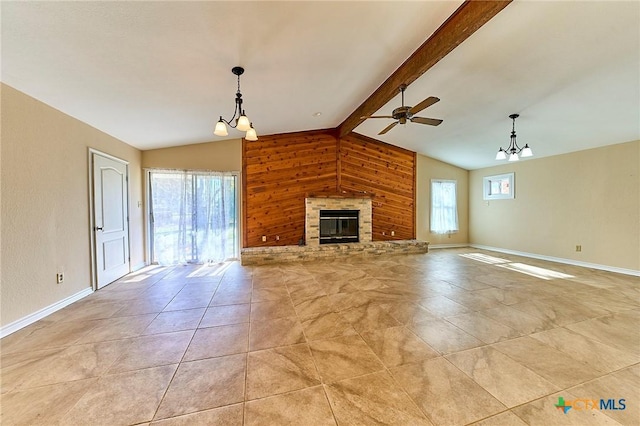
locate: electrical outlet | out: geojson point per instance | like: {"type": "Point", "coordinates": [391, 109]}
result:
{"type": "Point", "coordinates": [277, 237]}
{"type": "Point", "coordinates": [393, 233]}
{"type": "Point", "coordinates": [59, 278]}
{"type": "Point", "coordinates": [578, 248]}
{"type": "Point", "coordinates": [384, 233]}
{"type": "Point", "coordinates": [264, 238]}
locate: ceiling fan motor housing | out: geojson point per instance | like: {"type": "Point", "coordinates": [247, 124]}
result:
{"type": "Point", "coordinates": [402, 114]}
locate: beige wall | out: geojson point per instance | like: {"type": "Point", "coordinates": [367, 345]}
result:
{"type": "Point", "coordinates": [591, 198]}
{"type": "Point", "coordinates": [45, 203]}
{"type": "Point", "coordinates": [588, 198]}
{"type": "Point", "coordinates": [219, 156]}
{"type": "Point", "coordinates": [428, 169]}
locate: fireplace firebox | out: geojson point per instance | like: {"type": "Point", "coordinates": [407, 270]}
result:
{"type": "Point", "coordinates": [339, 226]}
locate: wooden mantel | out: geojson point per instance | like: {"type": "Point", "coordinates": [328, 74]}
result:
{"type": "Point", "coordinates": [342, 194]}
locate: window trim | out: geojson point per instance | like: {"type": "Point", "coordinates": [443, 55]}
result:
{"type": "Point", "coordinates": [147, 206]}
{"type": "Point", "coordinates": [488, 180]}
{"type": "Point", "coordinates": [452, 231]}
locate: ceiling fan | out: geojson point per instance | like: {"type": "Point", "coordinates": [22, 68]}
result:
{"type": "Point", "coordinates": [404, 113]}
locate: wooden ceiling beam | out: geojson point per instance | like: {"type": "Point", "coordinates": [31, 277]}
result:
{"type": "Point", "coordinates": [466, 20]}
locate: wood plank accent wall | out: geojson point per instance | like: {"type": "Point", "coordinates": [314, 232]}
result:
{"type": "Point", "coordinates": [277, 173]}
{"type": "Point", "coordinates": [388, 172]}
{"type": "Point", "coordinates": [280, 170]}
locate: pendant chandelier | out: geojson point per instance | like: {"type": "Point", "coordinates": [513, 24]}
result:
{"type": "Point", "coordinates": [241, 123]}
{"type": "Point", "coordinates": [514, 149]}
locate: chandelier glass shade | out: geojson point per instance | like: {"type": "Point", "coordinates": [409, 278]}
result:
{"type": "Point", "coordinates": [251, 133]}
{"type": "Point", "coordinates": [221, 129]}
{"type": "Point", "coordinates": [239, 120]}
{"type": "Point", "coordinates": [514, 150]}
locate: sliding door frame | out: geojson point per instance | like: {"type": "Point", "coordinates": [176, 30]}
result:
{"type": "Point", "coordinates": [147, 210]}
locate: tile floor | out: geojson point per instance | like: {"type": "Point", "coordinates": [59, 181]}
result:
{"type": "Point", "coordinates": [453, 337]}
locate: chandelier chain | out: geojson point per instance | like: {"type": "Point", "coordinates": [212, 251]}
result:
{"type": "Point", "coordinates": [242, 122]}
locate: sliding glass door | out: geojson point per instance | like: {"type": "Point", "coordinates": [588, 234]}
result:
{"type": "Point", "coordinates": [193, 216]}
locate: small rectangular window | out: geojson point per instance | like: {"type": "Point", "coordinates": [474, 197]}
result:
{"type": "Point", "coordinates": [498, 187]}
{"type": "Point", "coordinates": [444, 207]}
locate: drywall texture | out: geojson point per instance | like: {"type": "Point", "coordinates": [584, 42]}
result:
{"type": "Point", "coordinates": [588, 198]}
{"type": "Point", "coordinates": [219, 156]}
{"type": "Point", "coordinates": [45, 203]}
{"type": "Point", "coordinates": [427, 169]}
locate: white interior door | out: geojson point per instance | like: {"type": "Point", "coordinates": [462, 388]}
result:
{"type": "Point", "coordinates": [111, 224]}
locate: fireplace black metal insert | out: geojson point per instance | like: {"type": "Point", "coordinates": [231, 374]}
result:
{"type": "Point", "coordinates": [339, 226]}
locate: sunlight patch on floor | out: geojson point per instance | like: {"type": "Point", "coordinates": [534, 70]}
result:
{"type": "Point", "coordinates": [210, 270]}
{"type": "Point", "coordinates": [534, 271]}
{"type": "Point", "coordinates": [142, 274]}
{"type": "Point", "coordinates": [485, 258]}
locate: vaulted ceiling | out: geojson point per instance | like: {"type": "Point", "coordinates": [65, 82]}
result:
{"type": "Point", "coordinates": [158, 74]}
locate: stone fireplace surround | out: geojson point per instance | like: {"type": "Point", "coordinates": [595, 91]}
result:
{"type": "Point", "coordinates": [314, 204]}
{"type": "Point", "coordinates": [313, 250]}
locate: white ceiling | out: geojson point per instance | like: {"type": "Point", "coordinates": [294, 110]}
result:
{"type": "Point", "coordinates": [157, 74]}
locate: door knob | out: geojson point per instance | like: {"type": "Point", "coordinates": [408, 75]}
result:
{"type": "Point", "coordinates": [99, 228]}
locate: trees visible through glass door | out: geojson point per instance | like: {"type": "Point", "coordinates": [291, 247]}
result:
{"type": "Point", "coordinates": [193, 216]}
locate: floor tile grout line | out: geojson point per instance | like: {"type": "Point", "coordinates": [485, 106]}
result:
{"type": "Point", "coordinates": [315, 362]}
{"type": "Point", "coordinates": [246, 358]}
{"type": "Point", "coordinates": [560, 389]}
{"type": "Point", "coordinates": [387, 371]}
{"type": "Point", "coordinates": [611, 373]}
{"type": "Point", "coordinates": [180, 363]}
{"type": "Point", "coordinates": [80, 398]}
{"type": "Point", "coordinates": [441, 355]}
{"type": "Point", "coordinates": [415, 403]}
{"type": "Point", "coordinates": [605, 374]}
{"type": "Point", "coordinates": [583, 336]}
{"type": "Point", "coordinates": [173, 376]}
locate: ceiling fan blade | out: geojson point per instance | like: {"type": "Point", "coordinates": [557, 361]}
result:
{"type": "Point", "coordinates": [429, 121]}
{"type": "Point", "coordinates": [364, 117]}
{"type": "Point", "coordinates": [389, 127]}
{"type": "Point", "coordinates": [422, 105]}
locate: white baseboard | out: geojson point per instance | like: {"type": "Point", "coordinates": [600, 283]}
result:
{"type": "Point", "coordinates": [31, 318]}
{"type": "Point", "coordinates": [561, 260]}
{"type": "Point", "coordinates": [444, 246]}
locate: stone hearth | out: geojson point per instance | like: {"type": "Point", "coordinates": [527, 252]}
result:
{"type": "Point", "coordinates": [284, 254]}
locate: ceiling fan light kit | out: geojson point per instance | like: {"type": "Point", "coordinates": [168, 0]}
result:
{"type": "Point", "coordinates": [404, 113]}
{"type": "Point", "coordinates": [513, 150]}
{"type": "Point", "coordinates": [242, 122]}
